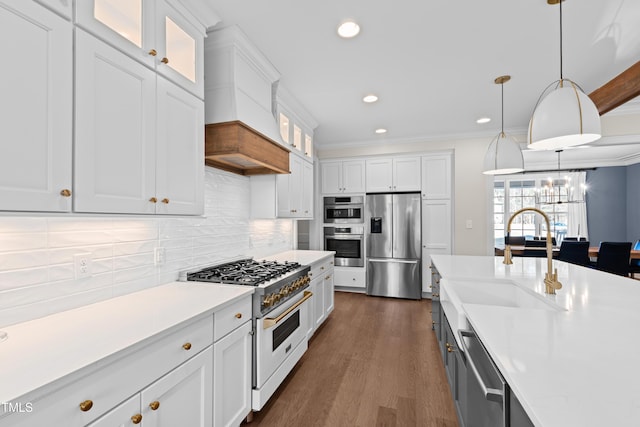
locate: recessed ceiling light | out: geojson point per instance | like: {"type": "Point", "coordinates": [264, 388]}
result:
{"type": "Point", "coordinates": [381, 130]}
{"type": "Point", "coordinates": [348, 29]}
{"type": "Point", "coordinates": [483, 120]}
{"type": "Point", "coordinates": [370, 98]}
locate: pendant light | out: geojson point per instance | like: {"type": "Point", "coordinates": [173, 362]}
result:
{"type": "Point", "coordinates": [564, 115]}
{"type": "Point", "coordinates": [503, 155]}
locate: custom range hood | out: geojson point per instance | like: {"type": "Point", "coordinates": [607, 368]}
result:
{"type": "Point", "coordinates": [241, 135]}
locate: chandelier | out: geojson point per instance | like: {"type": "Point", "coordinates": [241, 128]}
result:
{"type": "Point", "coordinates": [561, 189]}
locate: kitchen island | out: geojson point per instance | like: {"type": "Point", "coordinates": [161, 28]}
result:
{"type": "Point", "coordinates": [573, 363]}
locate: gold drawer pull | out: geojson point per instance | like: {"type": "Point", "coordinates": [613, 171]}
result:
{"type": "Point", "coordinates": [153, 200]}
{"type": "Point", "coordinates": [154, 405]}
{"type": "Point", "coordinates": [153, 52]}
{"type": "Point", "coordinates": [327, 278]}
{"type": "Point", "coordinates": [435, 295]}
{"type": "Point", "coordinates": [136, 419]}
{"type": "Point", "coordinates": [165, 60]}
{"type": "Point", "coordinates": [65, 193]}
{"type": "Point", "coordinates": [238, 315]}
{"type": "Point", "coordinates": [86, 405]}
{"type": "Point", "coordinates": [165, 201]}
{"type": "Point", "coordinates": [187, 346]}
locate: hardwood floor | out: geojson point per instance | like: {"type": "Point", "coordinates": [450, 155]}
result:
{"type": "Point", "coordinates": [374, 362]}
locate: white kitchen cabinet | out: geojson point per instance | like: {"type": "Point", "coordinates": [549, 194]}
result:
{"type": "Point", "coordinates": [127, 414]}
{"type": "Point", "coordinates": [284, 195]}
{"type": "Point", "coordinates": [328, 289]}
{"type": "Point", "coordinates": [322, 287]}
{"type": "Point", "coordinates": [295, 122]}
{"type": "Point", "coordinates": [436, 176]}
{"type": "Point", "coordinates": [35, 108]}
{"type": "Point", "coordinates": [343, 176]}
{"type": "Point", "coordinates": [183, 397]}
{"type": "Point", "coordinates": [155, 33]}
{"type": "Point", "coordinates": [139, 138]}
{"type": "Point", "coordinates": [232, 377]}
{"type": "Point", "coordinates": [350, 277]}
{"type": "Point", "coordinates": [61, 7]}
{"type": "Point", "coordinates": [436, 233]}
{"type": "Point", "coordinates": [318, 302]}
{"type": "Point", "coordinates": [393, 174]}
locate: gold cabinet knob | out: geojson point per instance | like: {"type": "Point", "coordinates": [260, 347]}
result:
{"type": "Point", "coordinates": [322, 268]}
{"type": "Point", "coordinates": [153, 200]}
{"type": "Point", "coordinates": [136, 419]}
{"type": "Point", "coordinates": [153, 52]}
{"type": "Point", "coordinates": [435, 295]}
{"type": "Point", "coordinates": [327, 277]}
{"type": "Point", "coordinates": [86, 405]}
{"type": "Point", "coordinates": [165, 60]}
{"type": "Point", "coordinates": [165, 201]}
{"type": "Point", "coordinates": [154, 405]}
{"type": "Point", "coordinates": [433, 322]}
{"type": "Point", "coordinates": [65, 193]}
{"type": "Point", "coordinates": [238, 315]}
{"type": "Point", "coordinates": [186, 346]}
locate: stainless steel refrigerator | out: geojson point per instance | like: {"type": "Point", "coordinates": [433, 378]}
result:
{"type": "Point", "coordinates": [394, 245]}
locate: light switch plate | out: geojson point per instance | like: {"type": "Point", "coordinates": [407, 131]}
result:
{"type": "Point", "coordinates": [469, 223]}
{"type": "Point", "coordinates": [159, 256]}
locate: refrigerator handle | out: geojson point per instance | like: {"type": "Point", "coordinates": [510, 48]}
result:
{"type": "Point", "coordinates": [398, 261]}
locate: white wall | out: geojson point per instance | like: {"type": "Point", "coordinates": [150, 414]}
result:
{"type": "Point", "coordinates": [471, 187]}
{"type": "Point", "coordinates": [36, 251]}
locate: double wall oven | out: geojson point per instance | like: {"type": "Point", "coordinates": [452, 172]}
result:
{"type": "Point", "coordinates": [280, 316]}
{"type": "Point", "coordinates": [344, 229]}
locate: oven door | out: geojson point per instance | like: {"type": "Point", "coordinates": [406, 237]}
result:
{"type": "Point", "coordinates": [279, 334]}
{"type": "Point", "coordinates": [348, 249]}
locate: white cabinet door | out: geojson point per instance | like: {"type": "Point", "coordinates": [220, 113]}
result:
{"type": "Point", "coordinates": [128, 25]}
{"type": "Point", "coordinates": [406, 174]}
{"type": "Point", "coordinates": [313, 287]}
{"type": "Point", "coordinates": [232, 377]}
{"type": "Point", "coordinates": [306, 207]}
{"type": "Point", "coordinates": [180, 49]}
{"type": "Point", "coordinates": [331, 175]}
{"type": "Point", "coordinates": [115, 146]}
{"type": "Point", "coordinates": [328, 287]}
{"type": "Point", "coordinates": [290, 189]}
{"type": "Point", "coordinates": [180, 151]}
{"type": "Point", "coordinates": [379, 174]}
{"type": "Point", "coordinates": [318, 302]}
{"type": "Point", "coordinates": [353, 176]}
{"type": "Point", "coordinates": [35, 108]}
{"type": "Point", "coordinates": [436, 177]}
{"type": "Point", "coordinates": [62, 7]}
{"type": "Point", "coordinates": [127, 414]}
{"type": "Point", "coordinates": [183, 397]}
{"type": "Point", "coordinates": [436, 233]}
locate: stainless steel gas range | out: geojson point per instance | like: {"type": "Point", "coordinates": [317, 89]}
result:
{"type": "Point", "coordinates": [280, 316]}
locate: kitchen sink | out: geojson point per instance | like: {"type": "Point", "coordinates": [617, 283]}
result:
{"type": "Point", "coordinates": [453, 294]}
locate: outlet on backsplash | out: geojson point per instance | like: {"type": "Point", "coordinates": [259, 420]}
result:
{"type": "Point", "coordinates": [82, 265]}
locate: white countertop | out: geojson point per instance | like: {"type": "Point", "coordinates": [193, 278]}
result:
{"type": "Point", "coordinates": [573, 367]}
{"type": "Point", "coordinates": [44, 350]}
{"type": "Point", "coordinates": [303, 257]}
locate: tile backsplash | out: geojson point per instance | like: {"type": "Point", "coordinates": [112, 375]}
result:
{"type": "Point", "coordinates": [37, 252]}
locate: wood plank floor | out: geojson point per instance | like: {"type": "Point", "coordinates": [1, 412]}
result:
{"type": "Point", "coordinates": [374, 362]}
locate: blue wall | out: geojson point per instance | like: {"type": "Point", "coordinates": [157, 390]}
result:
{"type": "Point", "coordinates": [633, 202]}
{"type": "Point", "coordinates": [607, 204]}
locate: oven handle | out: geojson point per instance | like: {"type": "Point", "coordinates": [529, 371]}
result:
{"type": "Point", "coordinates": [269, 322]}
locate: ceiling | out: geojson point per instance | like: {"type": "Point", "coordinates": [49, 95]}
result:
{"type": "Point", "coordinates": [433, 64]}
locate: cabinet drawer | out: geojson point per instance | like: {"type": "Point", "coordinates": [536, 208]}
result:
{"type": "Point", "coordinates": [349, 277]}
{"type": "Point", "coordinates": [105, 384]}
{"type": "Point", "coordinates": [321, 269]}
{"type": "Point", "coordinates": [231, 317]}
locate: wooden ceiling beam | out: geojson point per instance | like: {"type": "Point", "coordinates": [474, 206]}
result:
{"type": "Point", "coordinates": [622, 88]}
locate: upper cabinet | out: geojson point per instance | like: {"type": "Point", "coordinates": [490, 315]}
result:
{"type": "Point", "coordinates": [436, 176]}
{"type": "Point", "coordinates": [295, 123]}
{"type": "Point", "coordinates": [393, 174]}
{"type": "Point", "coordinates": [343, 176]}
{"type": "Point", "coordinates": [154, 33]}
{"type": "Point", "coordinates": [36, 105]}
{"type": "Point", "coordinates": [61, 7]}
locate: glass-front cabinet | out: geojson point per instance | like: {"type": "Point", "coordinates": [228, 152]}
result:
{"type": "Point", "coordinates": [296, 124]}
{"type": "Point", "coordinates": [152, 32]}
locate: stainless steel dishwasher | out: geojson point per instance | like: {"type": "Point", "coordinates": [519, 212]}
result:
{"type": "Point", "coordinates": [487, 391]}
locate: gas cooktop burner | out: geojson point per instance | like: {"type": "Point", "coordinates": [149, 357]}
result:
{"type": "Point", "coordinates": [244, 272]}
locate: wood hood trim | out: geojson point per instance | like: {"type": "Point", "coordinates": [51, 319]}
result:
{"type": "Point", "coordinates": [235, 147]}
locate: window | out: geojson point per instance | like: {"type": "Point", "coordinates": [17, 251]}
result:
{"type": "Point", "coordinates": [511, 194]}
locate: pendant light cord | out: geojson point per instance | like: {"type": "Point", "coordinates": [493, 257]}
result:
{"type": "Point", "coordinates": [561, 76]}
{"type": "Point", "coordinates": [502, 107]}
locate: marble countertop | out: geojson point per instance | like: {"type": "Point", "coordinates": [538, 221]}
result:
{"type": "Point", "coordinates": [576, 366]}
{"type": "Point", "coordinates": [41, 351]}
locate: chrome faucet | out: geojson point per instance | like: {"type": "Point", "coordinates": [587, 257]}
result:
{"type": "Point", "coordinates": [551, 282]}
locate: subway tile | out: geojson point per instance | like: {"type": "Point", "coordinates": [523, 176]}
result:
{"type": "Point", "coordinates": [80, 238]}
{"type": "Point", "coordinates": [22, 260]}
{"type": "Point", "coordinates": [13, 242]}
{"type": "Point", "coordinates": [17, 225]}
{"type": "Point", "coordinates": [25, 277]}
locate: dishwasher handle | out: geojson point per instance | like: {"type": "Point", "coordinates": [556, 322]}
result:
{"type": "Point", "coordinates": [492, 394]}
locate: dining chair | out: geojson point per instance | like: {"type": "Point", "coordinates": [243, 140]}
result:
{"type": "Point", "coordinates": [574, 252]}
{"type": "Point", "coordinates": [634, 264]}
{"type": "Point", "coordinates": [613, 257]}
{"type": "Point", "coordinates": [514, 240]}
{"type": "Point", "coordinates": [575, 239]}
{"type": "Point", "coordinates": [530, 252]}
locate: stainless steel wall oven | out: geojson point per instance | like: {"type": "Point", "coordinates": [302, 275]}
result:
{"type": "Point", "coordinates": [348, 244]}
{"type": "Point", "coordinates": [344, 210]}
